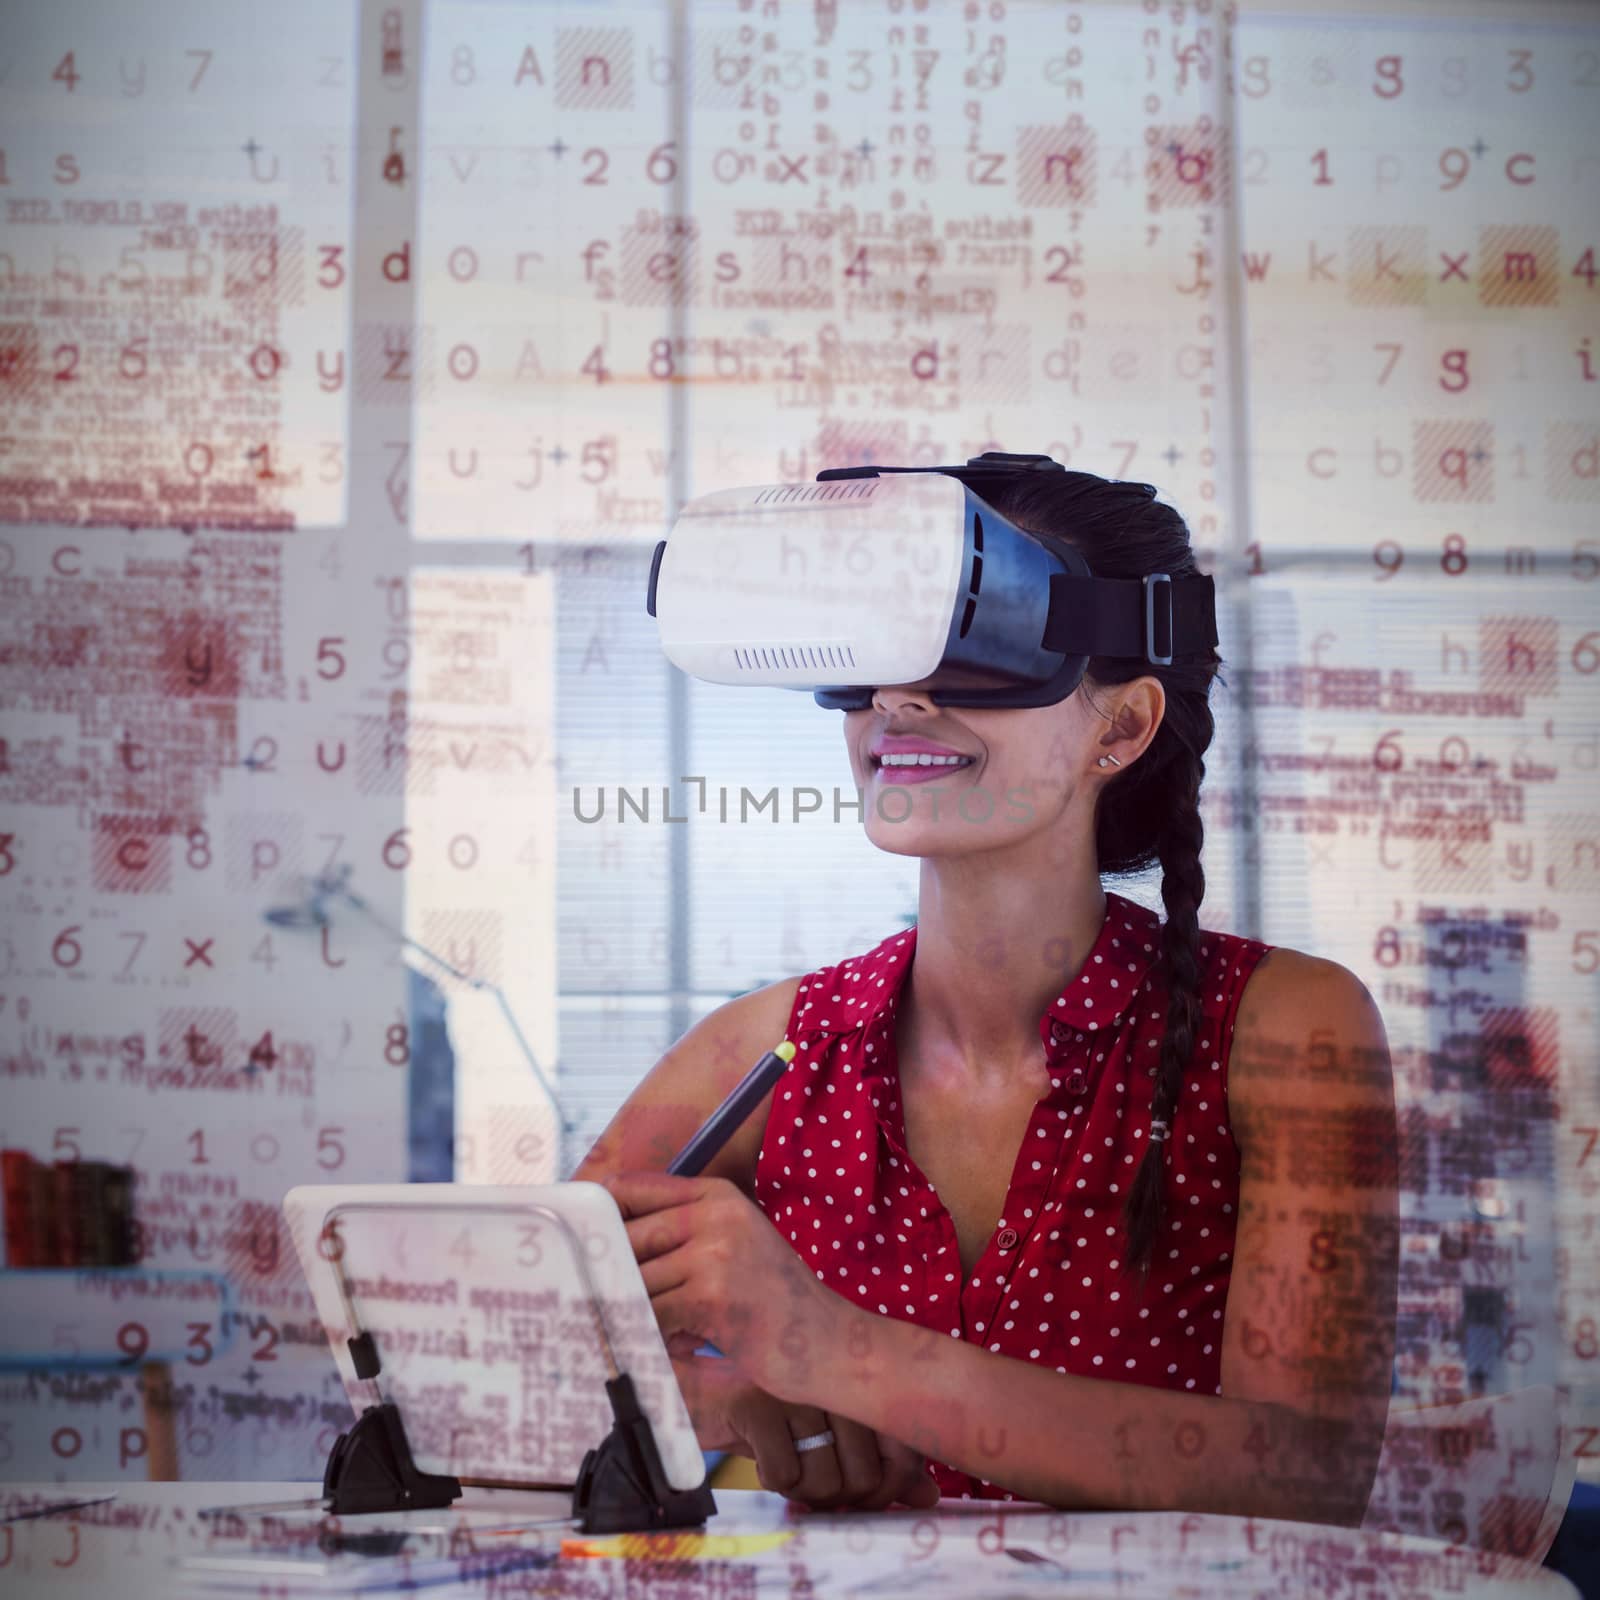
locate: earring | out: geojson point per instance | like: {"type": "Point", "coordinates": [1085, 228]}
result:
{"type": "Point", "coordinates": [1104, 759]}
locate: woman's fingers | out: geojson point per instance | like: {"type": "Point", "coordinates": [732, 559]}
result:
{"type": "Point", "coordinates": [820, 1475]}
{"type": "Point", "coordinates": [661, 1274]}
{"type": "Point", "coordinates": [896, 1474]}
{"type": "Point", "coordinates": [660, 1232]}
{"type": "Point", "coordinates": [760, 1422]}
{"type": "Point", "coordinates": [859, 1470]}
{"type": "Point", "coordinates": [908, 1470]}
{"type": "Point", "coordinates": [709, 1388]}
{"type": "Point", "coordinates": [770, 1428]}
{"type": "Point", "coordinates": [860, 1463]}
{"type": "Point", "coordinates": [639, 1193]}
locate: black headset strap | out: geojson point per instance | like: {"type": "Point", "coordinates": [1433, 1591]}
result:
{"type": "Point", "coordinates": [1107, 616]}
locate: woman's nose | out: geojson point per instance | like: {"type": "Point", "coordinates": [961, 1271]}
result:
{"type": "Point", "coordinates": [893, 694]}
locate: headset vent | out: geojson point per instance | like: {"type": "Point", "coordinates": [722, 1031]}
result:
{"type": "Point", "coordinates": [763, 658]}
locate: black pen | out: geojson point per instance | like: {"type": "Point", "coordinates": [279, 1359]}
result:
{"type": "Point", "coordinates": [724, 1122]}
{"type": "Point", "coordinates": [54, 1508]}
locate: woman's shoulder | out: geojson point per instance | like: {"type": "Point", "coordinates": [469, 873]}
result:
{"type": "Point", "coordinates": [1217, 944]}
{"type": "Point", "coordinates": [1229, 965]}
{"type": "Point", "coordinates": [827, 997]}
{"type": "Point", "coordinates": [1284, 1013]}
{"type": "Point", "coordinates": [1306, 1024]}
{"type": "Point", "coordinates": [1276, 978]}
{"type": "Point", "coordinates": [1282, 976]}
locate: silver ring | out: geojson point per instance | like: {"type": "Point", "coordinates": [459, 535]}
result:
{"type": "Point", "coordinates": [815, 1441]}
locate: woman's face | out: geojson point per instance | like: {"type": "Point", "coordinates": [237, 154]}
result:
{"type": "Point", "coordinates": [1027, 770]}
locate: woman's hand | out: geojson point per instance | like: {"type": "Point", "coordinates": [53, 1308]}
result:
{"type": "Point", "coordinates": [861, 1469]}
{"type": "Point", "coordinates": [716, 1269]}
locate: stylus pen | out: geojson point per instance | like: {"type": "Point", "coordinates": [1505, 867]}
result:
{"type": "Point", "coordinates": [724, 1122]}
{"type": "Point", "coordinates": [57, 1506]}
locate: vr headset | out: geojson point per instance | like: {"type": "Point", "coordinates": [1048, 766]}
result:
{"type": "Point", "coordinates": [888, 575]}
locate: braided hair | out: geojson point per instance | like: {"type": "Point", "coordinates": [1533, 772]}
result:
{"type": "Point", "coordinates": [1153, 813]}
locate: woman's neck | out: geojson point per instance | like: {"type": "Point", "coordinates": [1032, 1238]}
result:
{"type": "Point", "coordinates": [994, 948]}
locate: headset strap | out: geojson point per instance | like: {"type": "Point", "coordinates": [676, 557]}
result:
{"type": "Point", "coordinates": [1131, 616]}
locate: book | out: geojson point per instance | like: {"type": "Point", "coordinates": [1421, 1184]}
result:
{"type": "Point", "coordinates": [66, 1213]}
{"type": "Point", "coordinates": [117, 1211]}
{"type": "Point", "coordinates": [64, 1209]}
{"type": "Point", "coordinates": [16, 1192]}
{"type": "Point", "coordinates": [42, 1213]}
{"type": "Point", "coordinates": [94, 1247]}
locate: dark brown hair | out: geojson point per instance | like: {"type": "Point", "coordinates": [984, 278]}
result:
{"type": "Point", "coordinates": [1149, 811]}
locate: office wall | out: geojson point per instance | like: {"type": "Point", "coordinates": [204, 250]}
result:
{"type": "Point", "coordinates": [353, 359]}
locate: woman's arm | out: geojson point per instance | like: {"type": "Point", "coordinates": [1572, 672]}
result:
{"type": "Point", "coordinates": [672, 1101]}
{"type": "Point", "coordinates": [1308, 1336]}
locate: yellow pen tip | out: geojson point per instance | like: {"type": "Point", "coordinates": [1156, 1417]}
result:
{"type": "Point", "coordinates": [786, 1050]}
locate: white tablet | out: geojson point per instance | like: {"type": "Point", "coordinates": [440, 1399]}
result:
{"type": "Point", "coordinates": [478, 1300]}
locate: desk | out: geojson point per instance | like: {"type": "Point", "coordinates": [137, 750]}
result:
{"type": "Point", "coordinates": [132, 1547]}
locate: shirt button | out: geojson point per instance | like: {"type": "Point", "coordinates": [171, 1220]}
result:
{"type": "Point", "coordinates": [1059, 1031]}
{"type": "Point", "coordinates": [1077, 1081]}
{"type": "Point", "coordinates": [1007, 1238]}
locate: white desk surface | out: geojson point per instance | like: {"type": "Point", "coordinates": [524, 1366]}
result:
{"type": "Point", "coordinates": [760, 1545]}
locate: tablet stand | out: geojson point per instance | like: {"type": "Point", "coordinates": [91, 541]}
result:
{"type": "Point", "coordinates": [621, 1487]}
{"type": "Point", "coordinates": [370, 1467]}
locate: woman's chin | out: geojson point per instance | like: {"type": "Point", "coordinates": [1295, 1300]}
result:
{"type": "Point", "coordinates": [929, 840]}
{"type": "Point", "coordinates": [919, 833]}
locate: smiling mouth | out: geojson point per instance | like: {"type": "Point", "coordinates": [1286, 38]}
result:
{"type": "Point", "coordinates": [920, 763]}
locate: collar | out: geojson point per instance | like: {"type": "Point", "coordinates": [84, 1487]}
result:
{"type": "Point", "coordinates": [864, 991]}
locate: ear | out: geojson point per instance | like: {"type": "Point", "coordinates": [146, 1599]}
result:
{"type": "Point", "coordinates": [1140, 708]}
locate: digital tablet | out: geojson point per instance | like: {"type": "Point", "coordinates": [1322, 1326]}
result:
{"type": "Point", "coordinates": [498, 1314]}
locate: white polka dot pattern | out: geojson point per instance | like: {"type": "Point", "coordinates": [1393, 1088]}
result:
{"type": "Point", "coordinates": [836, 1180]}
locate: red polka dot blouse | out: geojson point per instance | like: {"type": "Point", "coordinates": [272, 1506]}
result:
{"type": "Point", "coordinates": [834, 1177]}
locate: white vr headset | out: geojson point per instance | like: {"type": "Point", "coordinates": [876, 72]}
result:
{"type": "Point", "coordinates": [894, 575]}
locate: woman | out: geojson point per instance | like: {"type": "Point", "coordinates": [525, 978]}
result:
{"type": "Point", "coordinates": [1058, 1200]}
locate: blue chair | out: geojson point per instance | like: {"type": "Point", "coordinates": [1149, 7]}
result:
{"type": "Point", "coordinates": [1576, 1551]}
